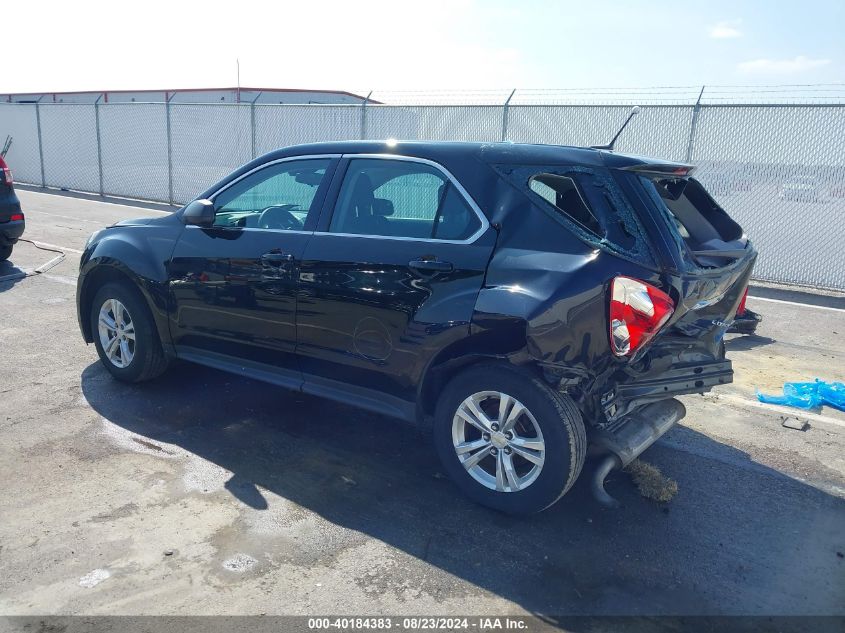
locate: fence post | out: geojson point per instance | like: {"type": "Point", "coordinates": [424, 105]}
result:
{"type": "Point", "coordinates": [364, 116]}
{"type": "Point", "coordinates": [169, 151]}
{"type": "Point", "coordinates": [693, 124]}
{"type": "Point", "coordinates": [505, 115]}
{"type": "Point", "coordinates": [252, 121]}
{"type": "Point", "coordinates": [99, 143]}
{"type": "Point", "coordinates": [40, 144]}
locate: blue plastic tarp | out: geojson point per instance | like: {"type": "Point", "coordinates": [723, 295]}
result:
{"type": "Point", "coordinates": [809, 395]}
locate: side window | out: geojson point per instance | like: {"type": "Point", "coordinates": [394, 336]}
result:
{"type": "Point", "coordinates": [397, 198]}
{"type": "Point", "coordinates": [276, 197]}
{"type": "Point", "coordinates": [563, 192]}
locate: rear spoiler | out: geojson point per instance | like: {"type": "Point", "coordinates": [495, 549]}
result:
{"type": "Point", "coordinates": [678, 170]}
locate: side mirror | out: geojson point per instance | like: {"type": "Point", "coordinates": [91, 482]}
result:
{"type": "Point", "coordinates": [199, 213]}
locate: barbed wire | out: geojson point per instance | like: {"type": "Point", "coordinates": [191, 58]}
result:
{"type": "Point", "coordinates": [648, 95]}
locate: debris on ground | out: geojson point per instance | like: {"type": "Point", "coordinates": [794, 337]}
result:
{"type": "Point", "coordinates": [347, 480]}
{"type": "Point", "coordinates": [809, 395]}
{"type": "Point", "coordinates": [791, 422]}
{"type": "Point", "coordinates": [651, 483]}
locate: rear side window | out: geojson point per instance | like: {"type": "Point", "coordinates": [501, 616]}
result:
{"type": "Point", "coordinates": [397, 198]}
{"type": "Point", "coordinates": [586, 200]}
{"type": "Point", "coordinates": [566, 196]}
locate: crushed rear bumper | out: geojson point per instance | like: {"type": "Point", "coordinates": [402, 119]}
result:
{"type": "Point", "coordinates": [623, 397]}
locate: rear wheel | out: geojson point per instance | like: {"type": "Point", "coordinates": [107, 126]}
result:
{"type": "Point", "coordinates": [508, 440]}
{"type": "Point", "coordinates": [5, 252]}
{"type": "Point", "coordinates": [125, 335]}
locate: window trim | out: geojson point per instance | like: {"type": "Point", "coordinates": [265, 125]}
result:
{"type": "Point", "coordinates": [260, 167]}
{"type": "Point", "coordinates": [485, 224]}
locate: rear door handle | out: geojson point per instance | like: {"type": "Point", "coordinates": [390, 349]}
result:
{"type": "Point", "coordinates": [431, 265]}
{"type": "Point", "coordinates": [276, 257]}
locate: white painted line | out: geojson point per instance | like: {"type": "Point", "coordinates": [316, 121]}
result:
{"type": "Point", "coordinates": [775, 408]}
{"type": "Point", "coordinates": [68, 281]}
{"type": "Point", "coordinates": [795, 303]}
{"type": "Point", "coordinates": [114, 204]}
{"type": "Point", "coordinates": [64, 217]}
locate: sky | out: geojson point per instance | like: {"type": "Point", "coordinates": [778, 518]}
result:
{"type": "Point", "coordinates": [411, 45]}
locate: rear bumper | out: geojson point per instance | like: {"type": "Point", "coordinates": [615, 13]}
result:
{"type": "Point", "coordinates": [10, 232]}
{"type": "Point", "coordinates": [678, 380]}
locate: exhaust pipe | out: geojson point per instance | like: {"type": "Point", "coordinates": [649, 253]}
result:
{"type": "Point", "coordinates": [627, 439]}
{"type": "Point", "coordinates": [607, 464]}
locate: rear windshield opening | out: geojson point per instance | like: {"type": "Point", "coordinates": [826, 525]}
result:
{"type": "Point", "coordinates": [707, 230]}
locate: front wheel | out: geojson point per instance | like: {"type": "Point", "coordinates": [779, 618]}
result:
{"type": "Point", "coordinates": [125, 334]}
{"type": "Point", "coordinates": [508, 440]}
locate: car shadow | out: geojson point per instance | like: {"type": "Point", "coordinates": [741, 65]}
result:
{"type": "Point", "coordinates": [745, 342]}
{"type": "Point", "coordinates": [10, 275]}
{"type": "Point", "coordinates": [739, 538]}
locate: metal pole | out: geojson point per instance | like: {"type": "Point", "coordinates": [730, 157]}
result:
{"type": "Point", "coordinates": [169, 151]}
{"type": "Point", "coordinates": [364, 116]}
{"type": "Point", "coordinates": [505, 116]}
{"type": "Point", "coordinates": [40, 144]}
{"type": "Point", "coordinates": [99, 144]}
{"type": "Point", "coordinates": [252, 121]}
{"type": "Point", "coordinates": [696, 109]}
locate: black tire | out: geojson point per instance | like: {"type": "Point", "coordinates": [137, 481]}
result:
{"type": "Point", "coordinates": [560, 424]}
{"type": "Point", "coordinates": [5, 252]}
{"type": "Point", "coordinates": [148, 360]}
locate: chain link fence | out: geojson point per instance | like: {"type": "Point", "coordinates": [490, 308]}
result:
{"type": "Point", "coordinates": [778, 168]}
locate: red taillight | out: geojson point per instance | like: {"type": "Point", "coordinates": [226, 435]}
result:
{"type": "Point", "coordinates": [7, 173]}
{"type": "Point", "coordinates": [741, 309]}
{"type": "Point", "coordinates": [637, 312]}
{"type": "Point", "coordinates": [16, 217]}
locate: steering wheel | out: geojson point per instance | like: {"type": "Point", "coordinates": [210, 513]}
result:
{"type": "Point", "coordinates": [279, 216]}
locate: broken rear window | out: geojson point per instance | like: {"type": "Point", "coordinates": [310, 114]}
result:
{"type": "Point", "coordinates": [711, 236]}
{"type": "Point", "coordinates": [587, 201]}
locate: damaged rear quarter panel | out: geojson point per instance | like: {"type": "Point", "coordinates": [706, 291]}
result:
{"type": "Point", "coordinates": [546, 290]}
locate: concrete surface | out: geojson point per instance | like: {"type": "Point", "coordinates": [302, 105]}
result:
{"type": "Point", "coordinates": [204, 493]}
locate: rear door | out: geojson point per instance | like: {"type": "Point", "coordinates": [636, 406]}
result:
{"type": "Point", "coordinates": [389, 279]}
{"type": "Point", "coordinates": [233, 285]}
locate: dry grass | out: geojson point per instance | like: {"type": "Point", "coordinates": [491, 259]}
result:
{"type": "Point", "coordinates": [651, 483]}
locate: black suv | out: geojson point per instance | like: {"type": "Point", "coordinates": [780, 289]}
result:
{"type": "Point", "coordinates": [11, 217]}
{"type": "Point", "coordinates": [523, 301]}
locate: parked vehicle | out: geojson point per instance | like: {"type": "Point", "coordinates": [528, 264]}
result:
{"type": "Point", "coordinates": [804, 189]}
{"type": "Point", "coordinates": [524, 302]}
{"type": "Point", "coordinates": [746, 320]}
{"type": "Point", "coordinates": [12, 220]}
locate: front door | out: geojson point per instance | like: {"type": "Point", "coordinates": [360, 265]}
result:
{"type": "Point", "coordinates": [233, 285]}
{"type": "Point", "coordinates": [391, 279]}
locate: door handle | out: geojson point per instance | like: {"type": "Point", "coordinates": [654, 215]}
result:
{"type": "Point", "coordinates": [431, 265]}
{"type": "Point", "coordinates": [276, 257]}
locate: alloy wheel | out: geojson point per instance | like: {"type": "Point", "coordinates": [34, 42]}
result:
{"type": "Point", "coordinates": [498, 441]}
{"type": "Point", "coordinates": [117, 333]}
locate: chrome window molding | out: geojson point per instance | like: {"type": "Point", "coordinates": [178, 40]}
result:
{"type": "Point", "coordinates": [286, 159]}
{"type": "Point", "coordinates": [485, 224]}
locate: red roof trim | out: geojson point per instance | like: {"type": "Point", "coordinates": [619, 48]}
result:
{"type": "Point", "coordinates": [230, 88]}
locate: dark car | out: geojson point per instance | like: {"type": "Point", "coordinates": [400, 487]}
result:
{"type": "Point", "coordinates": [524, 302]}
{"type": "Point", "coordinates": [11, 217]}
